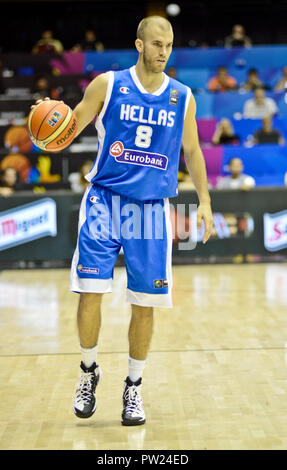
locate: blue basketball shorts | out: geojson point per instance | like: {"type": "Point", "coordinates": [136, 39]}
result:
{"type": "Point", "coordinates": [109, 222]}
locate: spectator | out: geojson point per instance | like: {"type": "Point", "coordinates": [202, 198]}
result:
{"type": "Point", "coordinates": [171, 72]}
{"type": "Point", "coordinates": [237, 38]}
{"type": "Point", "coordinates": [47, 44]}
{"type": "Point", "coordinates": [42, 89]}
{"type": "Point", "coordinates": [2, 88]}
{"type": "Point", "coordinates": [252, 82]}
{"type": "Point", "coordinates": [222, 82]}
{"type": "Point", "coordinates": [20, 163]}
{"type": "Point", "coordinates": [224, 133]}
{"type": "Point", "coordinates": [267, 135]}
{"type": "Point", "coordinates": [281, 85]}
{"type": "Point", "coordinates": [77, 180]}
{"type": "Point", "coordinates": [8, 181]}
{"type": "Point", "coordinates": [237, 179]}
{"type": "Point", "coordinates": [259, 107]}
{"type": "Point", "coordinates": [90, 43]}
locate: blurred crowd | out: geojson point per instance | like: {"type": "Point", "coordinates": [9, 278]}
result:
{"type": "Point", "coordinates": [47, 44]}
{"type": "Point", "coordinates": [18, 169]}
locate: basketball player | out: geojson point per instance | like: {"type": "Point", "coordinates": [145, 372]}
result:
{"type": "Point", "coordinates": [142, 117]}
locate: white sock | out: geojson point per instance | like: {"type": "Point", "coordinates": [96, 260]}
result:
{"type": "Point", "coordinates": [136, 369]}
{"type": "Point", "coordinates": [89, 355]}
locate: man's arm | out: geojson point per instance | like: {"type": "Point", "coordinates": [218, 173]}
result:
{"type": "Point", "coordinates": [92, 102]}
{"type": "Point", "coordinates": [196, 167]}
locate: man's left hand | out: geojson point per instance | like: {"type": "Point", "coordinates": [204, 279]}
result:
{"type": "Point", "coordinates": [204, 213]}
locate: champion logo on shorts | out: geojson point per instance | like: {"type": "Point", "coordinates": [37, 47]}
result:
{"type": "Point", "coordinates": [125, 90]}
{"type": "Point", "coordinates": [94, 199]}
{"type": "Point", "coordinates": [138, 157]}
{"type": "Point", "coordinates": [85, 269]}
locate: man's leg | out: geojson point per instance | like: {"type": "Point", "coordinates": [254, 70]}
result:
{"type": "Point", "coordinates": [89, 323]}
{"type": "Point", "coordinates": [89, 319]}
{"type": "Point", "coordinates": [140, 334]}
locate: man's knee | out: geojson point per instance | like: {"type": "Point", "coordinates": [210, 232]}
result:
{"type": "Point", "coordinates": [142, 312]}
{"type": "Point", "coordinates": [90, 298]}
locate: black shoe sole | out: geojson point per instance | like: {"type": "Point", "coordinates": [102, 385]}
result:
{"type": "Point", "coordinates": [82, 415]}
{"type": "Point", "coordinates": [129, 422]}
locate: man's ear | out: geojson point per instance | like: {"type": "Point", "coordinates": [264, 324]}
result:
{"type": "Point", "coordinates": [139, 45]}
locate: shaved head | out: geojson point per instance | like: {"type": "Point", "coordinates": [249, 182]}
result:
{"type": "Point", "coordinates": [154, 43]}
{"type": "Point", "coordinates": [157, 21]}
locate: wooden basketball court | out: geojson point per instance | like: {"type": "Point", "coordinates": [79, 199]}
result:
{"type": "Point", "coordinates": [216, 375]}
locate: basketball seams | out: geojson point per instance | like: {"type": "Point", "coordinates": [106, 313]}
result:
{"type": "Point", "coordinates": [55, 130]}
{"type": "Point", "coordinates": [68, 123]}
{"type": "Point", "coordinates": [29, 125]}
{"type": "Point", "coordinates": [45, 117]}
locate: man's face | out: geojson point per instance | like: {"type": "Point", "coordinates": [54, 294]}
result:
{"type": "Point", "coordinates": [9, 177]}
{"type": "Point", "coordinates": [156, 48]}
{"type": "Point", "coordinates": [42, 84]}
{"type": "Point", "coordinates": [47, 36]}
{"type": "Point", "coordinates": [259, 95]}
{"type": "Point", "coordinates": [90, 36]}
{"type": "Point", "coordinates": [236, 167]}
{"type": "Point", "coordinates": [238, 32]}
{"type": "Point", "coordinates": [253, 77]}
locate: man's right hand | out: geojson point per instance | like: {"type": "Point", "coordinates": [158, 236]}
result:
{"type": "Point", "coordinates": [40, 101]}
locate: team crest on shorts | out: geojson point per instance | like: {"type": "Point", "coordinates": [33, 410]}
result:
{"type": "Point", "coordinates": [160, 283]}
{"type": "Point", "coordinates": [54, 119]}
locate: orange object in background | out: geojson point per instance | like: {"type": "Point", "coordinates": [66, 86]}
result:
{"type": "Point", "coordinates": [17, 139]}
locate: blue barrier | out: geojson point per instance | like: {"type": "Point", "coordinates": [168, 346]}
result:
{"type": "Point", "coordinates": [258, 161]}
{"type": "Point", "coordinates": [109, 60]}
{"type": "Point", "coordinates": [196, 66]}
{"type": "Point", "coordinates": [227, 104]}
{"type": "Point", "coordinates": [199, 78]}
{"type": "Point", "coordinates": [246, 127]}
{"type": "Point", "coordinates": [256, 56]}
{"type": "Point", "coordinates": [236, 58]}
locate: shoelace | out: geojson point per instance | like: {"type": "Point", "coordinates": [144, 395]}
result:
{"type": "Point", "coordinates": [133, 401]}
{"type": "Point", "coordinates": [84, 391]}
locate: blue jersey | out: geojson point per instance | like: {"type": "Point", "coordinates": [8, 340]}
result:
{"type": "Point", "coordinates": [139, 135]}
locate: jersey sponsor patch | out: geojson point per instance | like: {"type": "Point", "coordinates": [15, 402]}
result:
{"type": "Point", "coordinates": [85, 269]}
{"type": "Point", "coordinates": [138, 157]}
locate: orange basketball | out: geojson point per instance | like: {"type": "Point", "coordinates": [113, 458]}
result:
{"type": "Point", "coordinates": [52, 125]}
